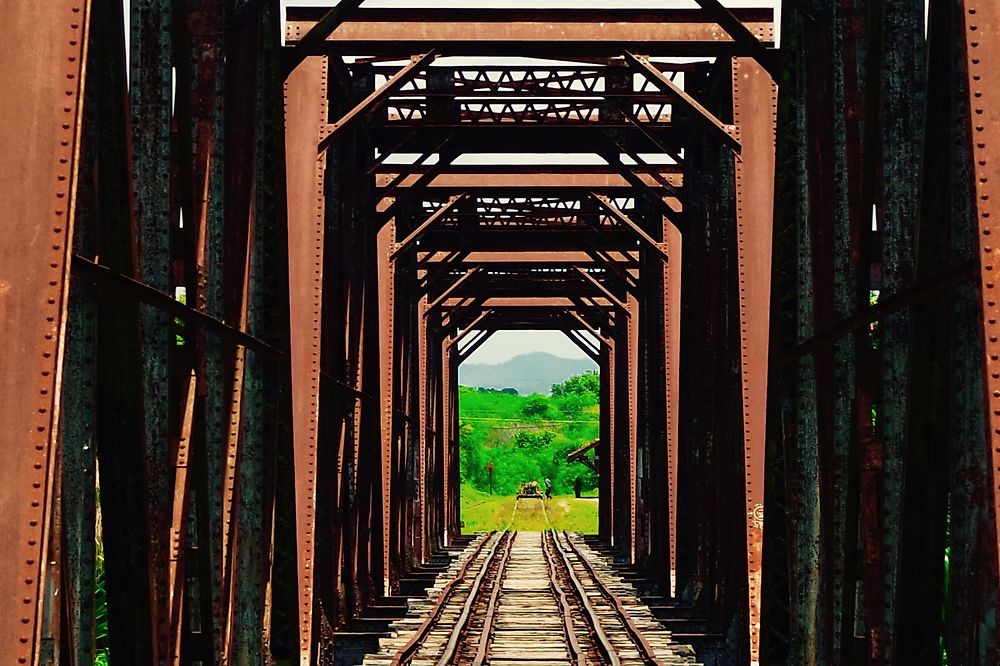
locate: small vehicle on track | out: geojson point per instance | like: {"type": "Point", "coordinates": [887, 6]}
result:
{"type": "Point", "coordinates": [529, 490]}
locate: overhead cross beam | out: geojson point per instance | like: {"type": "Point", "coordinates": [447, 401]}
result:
{"type": "Point", "coordinates": [651, 169]}
{"type": "Point", "coordinates": [424, 226]}
{"type": "Point", "coordinates": [604, 291]}
{"type": "Point", "coordinates": [630, 224]}
{"type": "Point", "coordinates": [590, 329]}
{"type": "Point", "coordinates": [641, 186]}
{"type": "Point", "coordinates": [741, 35]}
{"type": "Point", "coordinates": [376, 98]}
{"type": "Point", "coordinates": [584, 346]}
{"type": "Point", "coordinates": [450, 290]}
{"type": "Point", "coordinates": [723, 132]}
{"type": "Point", "coordinates": [471, 326]}
{"type": "Point", "coordinates": [475, 344]}
{"type": "Point", "coordinates": [322, 29]}
{"type": "Point", "coordinates": [571, 34]}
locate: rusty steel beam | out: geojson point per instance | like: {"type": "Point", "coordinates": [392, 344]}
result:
{"type": "Point", "coordinates": [671, 304]}
{"type": "Point", "coordinates": [754, 109]}
{"type": "Point", "coordinates": [305, 116]}
{"type": "Point", "coordinates": [451, 289]}
{"type": "Point", "coordinates": [41, 85]}
{"type": "Point", "coordinates": [374, 100]}
{"type": "Point", "coordinates": [767, 58]}
{"type": "Point", "coordinates": [475, 344]}
{"type": "Point", "coordinates": [320, 31]}
{"type": "Point", "coordinates": [529, 178]}
{"type": "Point", "coordinates": [720, 130]}
{"type": "Point", "coordinates": [605, 292]}
{"type": "Point", "coordinates": [531, 32]}
{"type": "Point", "coordinates": [583, 345]}
{"type": "Point", "coordinates": [629, 224]}
{"type": "Point", "coordinates": [415, 235]}
{"type": "Point", "coordinates": [981, 22]}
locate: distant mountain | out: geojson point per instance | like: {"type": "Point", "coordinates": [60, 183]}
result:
{"type": "Point", "coordinates": [534, 372]}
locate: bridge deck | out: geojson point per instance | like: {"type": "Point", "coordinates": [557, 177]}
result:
{"type": "Point", "coordinates": [530, 598]}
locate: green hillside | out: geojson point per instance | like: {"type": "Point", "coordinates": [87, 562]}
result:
{"type": "Point", "coordinates": [533, 372]}
{"type": "Point", "coordinates": [527, 438]}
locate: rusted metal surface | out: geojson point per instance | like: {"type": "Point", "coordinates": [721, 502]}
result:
{"type": "Point", "coordinates": [266, 514]}
{"type": "Point", "coordinates": [672, 276]}
{"type": "Point", "coordinates": [982, 24]}
{"type": "Point", "coordinates": [754, 107]}
{"type": "Point", "coordinates": [41, 79]}
{"type": "Point", "coordinates": [529, 32]}
{"type": "Point", "coordinates": [305, 115]}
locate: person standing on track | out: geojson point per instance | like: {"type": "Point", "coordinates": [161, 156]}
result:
{"type": "Point", "coordinates": [548, 488]}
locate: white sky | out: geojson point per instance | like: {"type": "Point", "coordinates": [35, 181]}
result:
{"type": "Point", "coordinates": [505, 345]}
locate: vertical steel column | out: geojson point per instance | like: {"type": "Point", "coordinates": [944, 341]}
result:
{"type": "Point", "coordinates": [305, 121]}
{"type": "Point", "coordinates": [632, 423]}
{"type": "Point", "coordinates": [423, 422]}
{"type": "Point", "coordinates": [611, 449]}
{"type": "Point", "coordinates": [150, 96]}
{"type": "Point", "coordinates": [41, 83]}
{"type": "Point", "coordinates": [605, 509]}
{"type": "Point", "coordinates": [387, 402]}
{"type": "Point", "coordinates": [982, 26]}
{"type": "Point", "coordinates": [754, 108]}
{"type": "Point", "coordinates": [447, 433]}
{"type": "Point", "coordinates": [671, 382]}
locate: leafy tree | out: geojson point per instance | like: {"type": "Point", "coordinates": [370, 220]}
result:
{"type": "Point", "coordinates": [586, 384]}
{"type": "Point", "coordinates": [527, 439]}
{"type": "Point", "coordinates": [536, 407]}
{"type": "Point", "coordinates": [572, 405]}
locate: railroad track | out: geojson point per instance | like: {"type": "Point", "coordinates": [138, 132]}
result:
{"type": "Point", "coordinates": [531, 598]}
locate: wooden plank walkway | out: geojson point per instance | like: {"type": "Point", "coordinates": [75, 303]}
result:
{"type": "Point", "coordinates": [530, 599]}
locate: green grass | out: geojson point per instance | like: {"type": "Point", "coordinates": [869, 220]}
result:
{"type": "Point", "coordinates": [482, 513]}
{"type": "Point", "coordinates": [527, 438]}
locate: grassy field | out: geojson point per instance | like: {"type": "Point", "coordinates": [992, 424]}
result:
{"type": "Point", "coordinates": [482, 513]}
{"type": "Point", "coordinates": [527, 438]}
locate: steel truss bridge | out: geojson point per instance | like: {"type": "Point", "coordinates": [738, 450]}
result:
{"type": "Point", "coordinates": [243, 254]}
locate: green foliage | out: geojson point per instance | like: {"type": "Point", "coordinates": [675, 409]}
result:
{"type": "Point", "coordinates": [101, 650]}
{"type": "Point", "coordinates": [527, 438]}
{"type": "Point", "coordinates": [481, 513]}
{"type": "Point", "coordinates": [587, 385]}
{"type": "Point", "coordinates": [536, 407]}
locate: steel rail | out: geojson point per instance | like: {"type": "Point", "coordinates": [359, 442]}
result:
{"type": "Point", "coordinates": [645, 649]}
{"type": "Point", "coordinates": [491, 609]}
{"type": "Point", "coordinates": [576, 652]}
{"type": "Point", "coordinates": [406, 652]}
{"type": "Point", "coordinates": [603, 642]}
{"type": "Point", "coordinates": [448, 656]}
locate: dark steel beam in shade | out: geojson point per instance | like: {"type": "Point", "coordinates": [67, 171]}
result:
{"type": "Point", "coordinates": [375, 99]}
{"type": "Point", "coordinates": [983, 67]}
{"type": "Point", "coordinates": [415, 235]}
{"type": "Point", "coordinates": [580, 342]}
{"type": "Point", "coordinates": [451, 289]}
{"type": "Point", "coordinates": [632, 226]}
{"type": "Point", "coordinates": [723, 132]}
{"type": "Point", "coordinates": [604, 291]}
{"type": "Point", "coordinates": [478, 341]}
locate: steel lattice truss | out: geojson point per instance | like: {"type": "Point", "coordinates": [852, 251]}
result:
{"type": "Point", "coordinates": [239, 270]}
